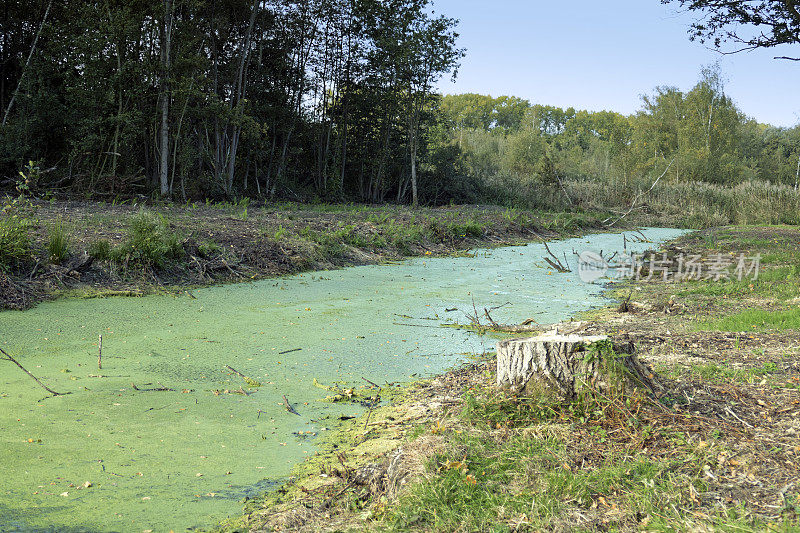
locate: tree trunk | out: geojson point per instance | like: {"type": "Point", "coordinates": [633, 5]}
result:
{"type": "Point", "coordinates": [27, 62]}
{"type": "Point", "coordinates": [563, 366]}
{"type": "Point", "coordinates": [165, 98]}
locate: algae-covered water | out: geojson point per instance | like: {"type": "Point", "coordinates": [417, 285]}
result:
{"type": "Point", "coordinates": [184, 458]}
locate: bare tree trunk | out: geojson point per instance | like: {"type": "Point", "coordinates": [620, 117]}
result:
{"type": "Point", "coordinates": [165, 99]}
{"type": "Point", "coordinates": [414, 196]}
{"type": "Point", "coordinates": [239, 96]}
{"type": "Point", "coordinates": [797, 175]}
{"type": "Point", "coordinates": [117, 126]}
{"type": "Point", "coordinates": [27, 62]}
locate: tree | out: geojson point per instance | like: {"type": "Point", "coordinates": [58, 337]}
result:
{"type": "Point", "coordinates": [748, 24]}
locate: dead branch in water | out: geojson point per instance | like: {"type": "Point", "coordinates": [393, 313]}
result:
{"type": "Point", "coordinates": [45, 387]}
{"type": "Point", "coordinates": [289, 406]}
{"type": "Point", "coordinates": [475, 321]}
{"type": "Point", "coordinates": [236, 372]}
{"type": "Point", "coordinates": [162, 388]}
{"type": "Point", "coordinates": [371, 382]}
{"type": "Point", "coordinates": [554, 260]}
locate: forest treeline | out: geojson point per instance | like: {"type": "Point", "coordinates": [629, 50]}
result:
{"type": "Point", "coordinates": [221, 98]}
{"type": "Point", "coordinates": [698, 135]}
{"type": "Point", "coordinates": [328, 99]}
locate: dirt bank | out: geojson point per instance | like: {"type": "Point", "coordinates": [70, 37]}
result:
{"type": "Point", "coordinates": [214, 243]}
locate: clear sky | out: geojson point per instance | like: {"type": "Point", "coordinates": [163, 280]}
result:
{"type": "Point", "coordinates": [596, 55]}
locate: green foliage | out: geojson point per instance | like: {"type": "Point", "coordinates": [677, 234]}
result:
{"type": "Point", "coordinates": [16, 222]}
{"type": "Point", "coordinates": [57, 244]}
{"type": "Point", "coordinates": [150, 242]}
{"type": "Point", "coordinates": [86, 104]}
{"type": "Point", "coordinates": [28, 180]}
{"type": "Point", "coordinates": [717, 166]}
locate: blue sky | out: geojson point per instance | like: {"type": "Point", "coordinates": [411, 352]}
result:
{"type": "Point", "coordinates": [598, 55]}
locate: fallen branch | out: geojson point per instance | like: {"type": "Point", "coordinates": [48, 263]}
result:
{"type": "Point", "coordinates": [156, 389]}
{"type": "Point", "coordinates": [555, 262]}
{"type": "Point", "coordinates": [236, 372]}
{"type": "Point", "coordinates": [45, 387]}
{"type": "Point", "coordinates": [371, 382]}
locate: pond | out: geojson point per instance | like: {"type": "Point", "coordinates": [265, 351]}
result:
{"type": "Point", "coordinates": [119, 454]}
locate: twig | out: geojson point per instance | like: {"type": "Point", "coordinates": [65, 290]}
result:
{"type": "Point", "coordinates": [728, 409]}
{"type": "Point", "coordinates": [366, 422]}
{"type": "Point", "coordinates": [564, 190]}
{"type": "Point", "coordinates": [489, 318]}
{"type": "Point", "coordinates": [45, 387]}
{"type": "Point", "coordinates": [290, 351]}
{"type": "Point", "coordinates": [418, 325]}
{"type": "Point", "coordinates": [289, 406]}
{"type": "Point", "coordinates": [27, 63]}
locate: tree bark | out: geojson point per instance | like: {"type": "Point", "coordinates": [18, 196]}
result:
{"type": "Point", "coordinates": [163, 170]}
{"type": "Point", "coordinates": [561, 367]}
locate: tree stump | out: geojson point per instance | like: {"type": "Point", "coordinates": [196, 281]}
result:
{"type": "Point", "coordinates": [562, 366]}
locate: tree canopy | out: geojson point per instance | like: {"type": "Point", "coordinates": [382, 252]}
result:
{"type": "Point", "coordinates": [221, 98]}
{"type": "Point", "coordinates": [748, 24]}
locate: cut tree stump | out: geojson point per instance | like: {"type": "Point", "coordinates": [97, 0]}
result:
{"type": "Point", "coordinates": [562, 366]}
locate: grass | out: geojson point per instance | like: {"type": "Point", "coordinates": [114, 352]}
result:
{"type": "Point", "coordinates": [16, 223]}
{"type": "Point", "coordinates": [694, 205]}
{"type": "Point", "coordinates": [100, 250]}
{"type": "Point", "coordinates": [57, 244]}
{"type": "Point", "coordinates": [754, 320]}
{"type": "Point", "coordinates": [15, 241]}
{"type": "Point", "coordinates": [150, 242]}
{"type": "Point", "coordinates": [508, 467]}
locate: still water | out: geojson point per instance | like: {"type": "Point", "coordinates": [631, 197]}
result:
{"type": "Point", "coordinates": [184, 458]}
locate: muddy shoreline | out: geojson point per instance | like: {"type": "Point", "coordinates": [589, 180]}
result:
{"type": "Point", "coordinates": [224, 243]}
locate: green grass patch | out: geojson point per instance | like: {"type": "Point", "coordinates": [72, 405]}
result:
{"type": "Point", "coordinates": [57, 244]}
{"type": "Point", "coordinates": [781, 283]}
{"type": "Point", "coordinates": [754, 320]}
{"type": "Point", "coordinates": [489, 484]}
{"type": "Point", "coordinates": [15, 239]}
{"type": "Point", "coordinates": [100, 250]}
